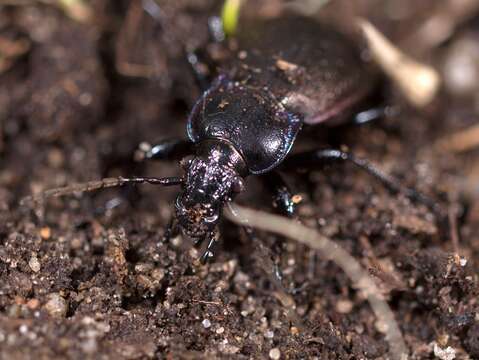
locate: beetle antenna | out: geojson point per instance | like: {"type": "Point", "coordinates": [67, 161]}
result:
{"type": "Point", "coordinates": [97, 185]}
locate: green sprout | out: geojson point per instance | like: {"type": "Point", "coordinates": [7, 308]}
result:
{"type": "Point", "coordinates": [230, 16]}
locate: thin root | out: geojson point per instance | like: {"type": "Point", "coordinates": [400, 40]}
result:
{"type": "Point", "coordinates": [330, 250]}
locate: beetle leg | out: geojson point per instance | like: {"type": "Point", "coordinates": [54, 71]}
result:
{"type": "Point", "coordinates": [319, 157]}
{"type": "Point", "coordinates": [282, 196]}
{"type": "Point", "coordinates": [164, 150]}
{"type": "Point", "coordinates": [200, 61]}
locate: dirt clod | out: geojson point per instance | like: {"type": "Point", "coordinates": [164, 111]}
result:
{"type": "Point", "coordinates": [275, 354]}
{"type": "Point", "coordinates": [56, 305]}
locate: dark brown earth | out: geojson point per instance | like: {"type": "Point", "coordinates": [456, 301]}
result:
{"type": "Point", "coordinates": [90, 277]}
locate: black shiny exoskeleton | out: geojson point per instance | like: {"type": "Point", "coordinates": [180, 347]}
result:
{"type": "Point", "coordinates": [287, 73]}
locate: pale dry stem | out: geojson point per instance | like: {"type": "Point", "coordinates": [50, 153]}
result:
{"type": "Point", "coordinates": [417, 81]}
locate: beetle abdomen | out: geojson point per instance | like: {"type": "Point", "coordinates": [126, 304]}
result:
{"type": "Point", "coordinates": [311, 69]}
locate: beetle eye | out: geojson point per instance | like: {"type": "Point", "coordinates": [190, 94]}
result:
{"type": "Point", "coordinates": [238, 185]}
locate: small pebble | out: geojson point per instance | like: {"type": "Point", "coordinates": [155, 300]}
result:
{"type": "Point", "coordinates": [158, 274]}
{"type": "Point", "coordinates": [274, 354]}
{"type": "Point", "coordinates": [269, 334]}
{"type": "Point", "coordinates": [220, 330]}
{"type": "Point", "coordinates": [242, 55]}
{"type": "Point", "coordinates": [89, 345]}
{"type": "Point", "coordinates": [56, 158]}
{"type": "Point", "coordinates": [444, 354]}
{"type": "Point", "coordinates": [297, 199]}
{"type": "Point", "coordinates": [177, 241]}
{"type": "Point", "coordinates": [45, 233]}
{"type": "Point", "coordinates": [56, 306]}
{"type": "Point", "coordinates": [206, 323]}
{"type": "Point", "coordinates": [143, 268]}
{"type": "Point", "coordinates": [294, 330]}
{"type": "Point", "coordinates": [33, 304]}
{"type": "Point", "coordinates": [23, 329]}
{"type": "Point", "coordinates": [461, 69]}
{"type": "Point", "coordinates": [34, 264]}
{"type": "Point", "coordinates": [344, 306]}
{"type": "Point", "coordinates": [381, 326]}
{"type": "Point", "coordinates": [85, 99]}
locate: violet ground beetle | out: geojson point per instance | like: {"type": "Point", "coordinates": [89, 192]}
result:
{"type": "Point", "coordinates": [289, 73]}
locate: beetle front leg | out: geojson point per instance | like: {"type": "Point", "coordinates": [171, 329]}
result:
{"type": "Point", "coordinates": [167, 149]}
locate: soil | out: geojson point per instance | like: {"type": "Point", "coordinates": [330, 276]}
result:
{"type": "Point", "coordinates": [90, 276]}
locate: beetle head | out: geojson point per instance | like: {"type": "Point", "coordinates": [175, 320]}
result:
{"type": "Point", "coordinates": [208, 184]}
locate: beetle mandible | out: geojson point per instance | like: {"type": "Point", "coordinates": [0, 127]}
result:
{"type": "Point", "coordinates": [288, 73]}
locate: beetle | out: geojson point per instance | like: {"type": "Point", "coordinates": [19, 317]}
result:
{"type": "Point", "coordinates": [287, 73]}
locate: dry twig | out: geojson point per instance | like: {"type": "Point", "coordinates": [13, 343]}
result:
{"type": "Point", "coordinates": [461, 141]}
{"type": "Point", "coordinates": [11, 50]}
